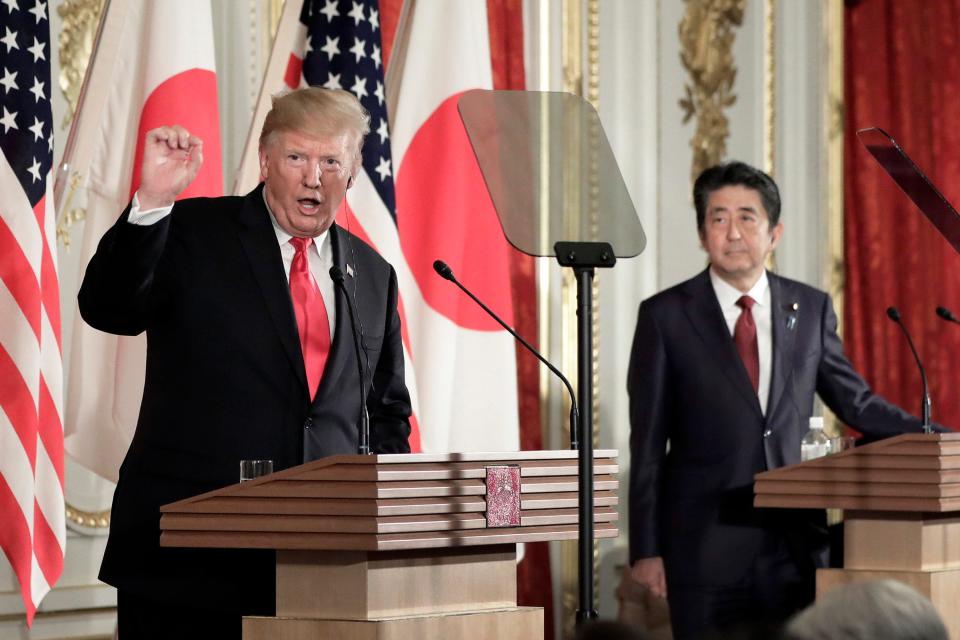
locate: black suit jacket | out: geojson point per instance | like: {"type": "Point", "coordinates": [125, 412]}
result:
{"type": "Point", "coordinates": [688, 386]}
{"type": "Point", "coordinates": [225, 380]}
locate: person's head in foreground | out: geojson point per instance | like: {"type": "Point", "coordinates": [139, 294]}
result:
{"type": "Point", "coordinates": [876, 610]}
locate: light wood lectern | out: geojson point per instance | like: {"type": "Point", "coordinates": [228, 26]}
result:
{"type": "Point", "coordinates": [901, 502]}
{"type": "Point", "coordinates": [399, 546]}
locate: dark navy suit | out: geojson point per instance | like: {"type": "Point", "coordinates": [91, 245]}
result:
{"type": "Point", "coordinates": [688, 386]}
{"type": "Point", "coordinates": [225, 381]}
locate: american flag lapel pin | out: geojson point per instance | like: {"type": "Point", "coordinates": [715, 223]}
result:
{"type": "Point", "coordinates": [792, 316]}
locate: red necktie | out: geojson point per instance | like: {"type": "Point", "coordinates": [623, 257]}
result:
{"type": "Point", "coordinates": [745, 337]}
{"type": "Point", "coordinates": [312, 321]}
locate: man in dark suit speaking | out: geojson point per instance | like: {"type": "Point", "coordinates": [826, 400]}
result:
{"type": "Point", "coordinates": [724, 368]}
{"type": "Point", "coordinates": [250, 351]}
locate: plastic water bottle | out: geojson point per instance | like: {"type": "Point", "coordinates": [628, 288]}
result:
{"type": "Point", "coordinates": [815, 443]}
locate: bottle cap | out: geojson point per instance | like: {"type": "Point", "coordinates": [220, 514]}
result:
{"type": "Point", "coordinates": [816, 422]}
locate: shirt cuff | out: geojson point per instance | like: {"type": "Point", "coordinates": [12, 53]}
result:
{"type": "Point", "coordinates": [146, 218]}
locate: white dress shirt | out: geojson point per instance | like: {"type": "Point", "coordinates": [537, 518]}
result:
{"type": "Point", "coordinates": [727, 296]}
{"type": "Point", "coordinates": [319, 253]}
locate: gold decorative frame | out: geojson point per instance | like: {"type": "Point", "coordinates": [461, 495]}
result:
{"type": "Point", "coordinates": [88, 519]}
{"type": "Point", "coordinates": [770, 86]}
{"type": "Point", "coordinates": [580, 21]}
{"type": "Point", "coordinates": [78, 31]}
{"type": "Point", "coordinates": [706, 33]}
{"type": "Point", "coordinates": [833, 116]}
{"type": "Point", "coordinates": [833, 123]}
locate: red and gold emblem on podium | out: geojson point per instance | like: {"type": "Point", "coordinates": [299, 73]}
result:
{"type": "Point", "coordinates": [503, 496]}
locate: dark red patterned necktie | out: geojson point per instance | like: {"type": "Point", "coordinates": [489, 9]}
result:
{"type": "Point", "coordinates": [745, 337]}
{"type": "Point", "coordinates": [312, 321]}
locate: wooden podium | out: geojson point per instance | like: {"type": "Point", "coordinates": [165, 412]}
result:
{"type": "Point", "coordinates": [399, 546]}
{"type": "Point", "coordinates": [901, 502]}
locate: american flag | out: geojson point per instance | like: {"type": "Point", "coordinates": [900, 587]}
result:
{"type": "Point", "coordinates": [32, 531]}
{"type": "Point", "coordinates": [342, 51]}
{"type": "Point", "coordinates": [421, 197]}
{"type": "Point", "coordinates": [339, 47]}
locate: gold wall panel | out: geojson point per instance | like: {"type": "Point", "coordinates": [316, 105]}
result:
{"type": "Point", "coordinates": [580, 25]}
{"type": "Point", "coordinates": [80, 19]}
{"type": "Point", "coordinates": [707, 33]}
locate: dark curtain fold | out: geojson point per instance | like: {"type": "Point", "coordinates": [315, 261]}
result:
{"type": "Point", "coordinates": [902, 74]}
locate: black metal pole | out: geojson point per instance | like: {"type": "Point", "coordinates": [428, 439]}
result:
{"type": "Point", "coordinates": [584, 258]}
{"type": "Point", "coordinates": [585, 611]}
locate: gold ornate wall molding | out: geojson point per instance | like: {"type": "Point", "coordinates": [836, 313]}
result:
{"type": "Point", "coordinates": [707, 32]}
{"type": "Point", "coordinates": [580, 53]}
{"type": "Point", "coordinates": [77, 35]}
{"type": "Point", "coordinates": [833, 116]}
{"type": "Point", "coordinates": [88, 519]}
{"type": "Point", "coordinates": [770, 86]}
{"type": "Point", "coordinates": [833, 123]}
{"type": "Point", "coordinates": [70, 216]}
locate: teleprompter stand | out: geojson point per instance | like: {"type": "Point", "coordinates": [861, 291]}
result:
{"type": "Point", "coordinates": [558, 192]}
{"type": "Point", "coordinates": [584, 258]}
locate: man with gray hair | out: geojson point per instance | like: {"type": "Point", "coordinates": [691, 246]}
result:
{"type": "Point", "coordinates": [250, 350]}
{"type": "Point", "coordinates": [875, 610]}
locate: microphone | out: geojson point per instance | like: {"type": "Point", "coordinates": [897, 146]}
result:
{"type": "Point", "coordinates": [446, 273]}
{"type": "Point", "coordinates": [336, 274]}
{"type": "Point", "coordinates": [944, 313]}
{"type": "Point", "coordinates": [894, 315]}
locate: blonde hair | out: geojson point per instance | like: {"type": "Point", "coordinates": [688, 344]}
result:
{"type": "Point", "coordinates": [316, 111]}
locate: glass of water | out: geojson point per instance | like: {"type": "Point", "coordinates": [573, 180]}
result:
{"type": "Point", "coordinates": [251, 469]}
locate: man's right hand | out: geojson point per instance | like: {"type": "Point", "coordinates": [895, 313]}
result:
{"type": "Point", "coordinates": [171, 160]}
{"type": "Point", "coordinates": [649, 572]}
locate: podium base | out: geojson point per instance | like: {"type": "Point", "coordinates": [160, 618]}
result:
{"type": "Point", "coordinates": [516, 623]}
{"type": "Point", "coordinates": [941, 586]}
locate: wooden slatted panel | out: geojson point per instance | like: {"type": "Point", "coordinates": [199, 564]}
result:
{"type": "Point", "coordinates": [803, 473]}
{"type": "Point", "coordinates": [432, 499]}
{"type": "Point", "coordinates": [373, 542]}
{"type": "Point", "coordinates": [332, 489]}
{"type": "Point", "coordinates": [278, 488]}
{"type": "Point", "coordinates": [874, 489]}
{"type": "Point", "coordinates": [921, 446]}
{"type": "Point", "coordinates": [349, 524]}
{"type": "Point", "coordinates": [864, 503]}
{"type": "Point", "coordinates": [881, 459]}
{"type": "Point", "coordinates": [911, 472]}
{"type": "Point", "coordinates": [451, 471]}
{"type": "Point", "coordinates": [476, 456]}
{"type": "Point", "coordinates": [391, 506]}
{"type": "Point", "coordinates": [886, 461]}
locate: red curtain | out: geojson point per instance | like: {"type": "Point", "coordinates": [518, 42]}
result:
{"type": "Point", "coordinates": [902, 74]}
{"type": "Point", "coordinates": [505, 22]}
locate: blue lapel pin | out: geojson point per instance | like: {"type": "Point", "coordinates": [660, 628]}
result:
{"type": "Point", "coordinates": [792, 315]}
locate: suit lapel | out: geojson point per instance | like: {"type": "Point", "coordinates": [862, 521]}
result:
{"type": "Point", "coordinates": [259, 242]}
{"type": "Point", "coordinates": [784, 320]}
{"type": "Point", "coordinates": [704, 313]}
{"type": "Point", "coordinates": [341, 346]}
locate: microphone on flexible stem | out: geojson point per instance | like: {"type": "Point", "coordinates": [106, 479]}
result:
{"type": "Point", "coordinates": [944, 313]}
{"type": "Point", "coordinates": [447, 274]}
{"type": "Point", "coordinates": [336, 274]}
{"type": "Point", "coordinates": [894, 315]}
